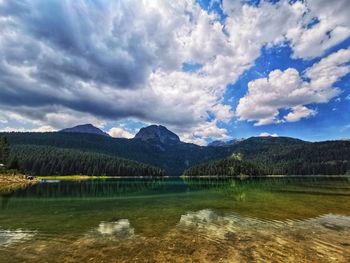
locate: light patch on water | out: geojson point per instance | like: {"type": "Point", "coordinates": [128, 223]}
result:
{"type": "Point", "coordinates": [50, 181]}
{"type": "Point", "coordinates": [214, 225]}
{"type": "Point", "coordinates": [323, 237]}
{"type": "Point", "coordinates": [199, 218]}
{"type": "Point", "coordinates": [333, 222]}
{"type": "Point", "coordinates": [120, 229]}
{"type": "Point", "coordinates": [9, 237]}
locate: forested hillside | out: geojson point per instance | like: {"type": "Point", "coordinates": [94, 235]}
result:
{"type": "Point", "coordinates": [173, 158]}
{"type": "Point", "coordinates": [328, 158]}
{"type": "Point", "coordinates": [260, 145]}
{"type": "Point", "coordinates": [226, 167]}
{"type": "Point", "coordinates": [4, 150]}
{"type": "Point", "coordinates": [48, 160]}
{"type": "Point", "coordinates": [320, 158]}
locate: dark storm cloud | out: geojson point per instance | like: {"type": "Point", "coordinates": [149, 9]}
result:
{"type": "Point", "coordinates": [16, 92]}
{"type": "Point", "coordinates": [100, 59]}
{"type": "Point", "coordinates": [82, 55]}
{"type": "Point", "coordinates": [71, 30]}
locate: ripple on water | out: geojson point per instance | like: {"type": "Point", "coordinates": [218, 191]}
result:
{"type": "Point", "coordinates": [9, 237]}
{"type": "Point", "coordinates": [325, 238]}
{"type": "Point", "coordinates": [207, 236]}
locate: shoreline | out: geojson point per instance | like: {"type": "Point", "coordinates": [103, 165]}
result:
{"type": "Point", "coordinates": [87, 177]}
{"type": "Point", "coordinates": [11, 182]}
{"type": "Point", "coordinates": [270, 176]}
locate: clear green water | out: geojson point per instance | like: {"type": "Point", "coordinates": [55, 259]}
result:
{"type": "Point", "coordinates": [174, 220]}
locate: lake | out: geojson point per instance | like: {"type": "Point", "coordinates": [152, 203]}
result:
{"type": "Point", "coordinates": [178, 220]}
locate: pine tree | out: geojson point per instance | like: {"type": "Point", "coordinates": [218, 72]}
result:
{"type": "Point", "coordinates": [4, 150]}
{"type": "Point", "coordinates": [13, 163]}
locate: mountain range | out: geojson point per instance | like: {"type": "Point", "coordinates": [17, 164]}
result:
{"type": "Point", "coordinates": [159, 147]}
{"type": "Point", "coordinates": [150, 134]}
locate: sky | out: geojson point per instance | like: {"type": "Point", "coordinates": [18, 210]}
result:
{"type": "Point", "coordinates": [206, 69]}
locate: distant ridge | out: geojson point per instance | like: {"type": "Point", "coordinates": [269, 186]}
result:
{"type": "Point", "coordinates": [225, 143]}
{"type": "Point", "coordinates": [85, 128]}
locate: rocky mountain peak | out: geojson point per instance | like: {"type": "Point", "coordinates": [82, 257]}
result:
{"type": "Point", "coordinates": [157, 133]}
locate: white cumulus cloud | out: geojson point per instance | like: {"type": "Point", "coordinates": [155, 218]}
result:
{"type": "Point", "coordinates": [287, 90]}
{"type": "Point", "coordinates": [266, 134]}
{"type": "Point", "coordinates": [331, 27]}
{"type": "Point", "coordinates": [299, 112]}
{"type": "Point", "coordinates": [119, 132]}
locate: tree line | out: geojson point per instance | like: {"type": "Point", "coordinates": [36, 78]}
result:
{"type": "Point", "coordinates": [226, 167]}
{"type": "Point", "coordinates": [4, 150]}
{"type": "Point", "coordinates": [48, 160]}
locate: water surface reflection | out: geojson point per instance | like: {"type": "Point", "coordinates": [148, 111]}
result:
{"type": "Point", "coordinates": [138, 220]}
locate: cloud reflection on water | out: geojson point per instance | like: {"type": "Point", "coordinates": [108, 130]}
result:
{"type": "Point", "coordinates": [120, 229]}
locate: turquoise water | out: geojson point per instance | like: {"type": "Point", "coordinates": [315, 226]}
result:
{"type": "Point", "coordinates": [175, 220]}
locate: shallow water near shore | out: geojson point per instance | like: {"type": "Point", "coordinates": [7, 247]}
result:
{"type": "Point", "coordinates": [178, 220]}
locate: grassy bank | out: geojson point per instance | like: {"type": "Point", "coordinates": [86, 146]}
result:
{"type": "Point", "coordinates": [87, 177]}
{"type": "Point", "coordinates": [73, 177]}
{"type": "Point", "coordinates": [12, 181]}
